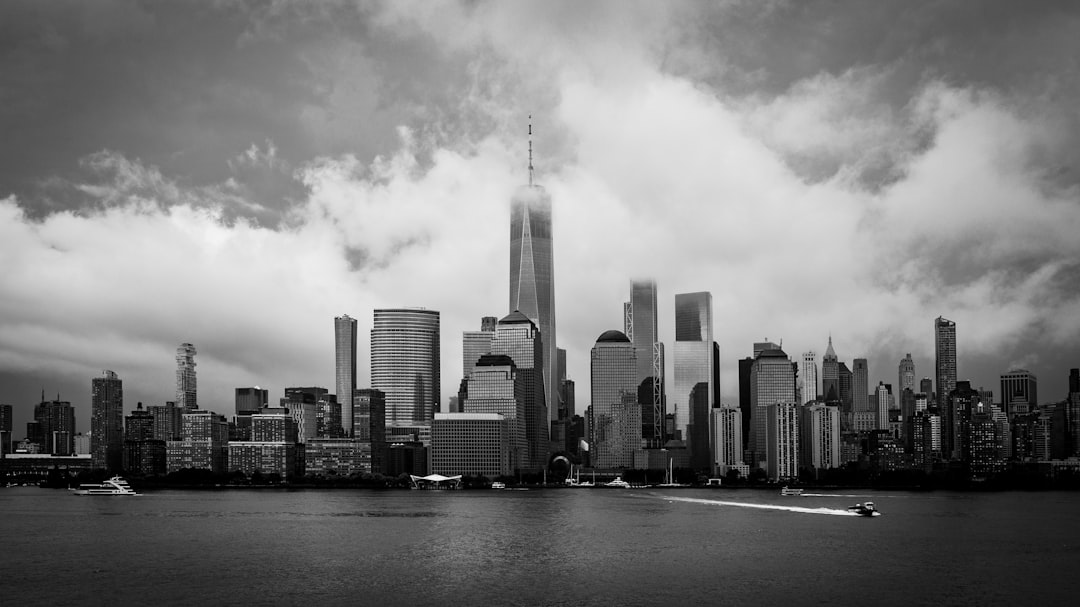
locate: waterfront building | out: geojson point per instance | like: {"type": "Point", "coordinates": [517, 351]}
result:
{"type": "Point", "coordinates": [945, 380]}
{"type": "Point", "coordinates": [782, 440]}
{"type": "Point", "coordinates": [306, 418]}
{"type": "Point", "coordinates": [1073, 413]}
{"type": "Point", "coordinates": [203, 444]}
{"type": "Point", "coordinates": [168, 421]}
{"type": "Point", "coordinates": [830, 375]}
{"type": "Point", "coordinates": [746, 405]}
{"type": "Point", "coordinates": [272, 449]}
{"type": "Point", "coordinates": [860, 385]}
{"type": "Point", "coordinates": [340, 457]}
{"type": "Point", "coordinates": [5, 429]}
{"type": "Point", "coordinates": [405, 366]}
{"type": "Point", "coordinates": [369, 424]}
{"type": "Point", "coordinates": [614, 418]}
{"type": "Point", "coordinates": [820, 440]}
{"type": "Point", "coordinates": [808, 377]}
{"type": "Point", "coordinates": [345, 367]}
{"type": "Point", "coordinates": [56, 426]}
{"type": "Point", "coordinates": [327, 409]}
{"type": "Point", "coordinates": [532, 276]}
{"type": "Point", "coordinates": [186, 386]}
{"type": "Point", "coordinates": [475, 344]}
{"type": "Point", "coordinates": [727, 440]}
{"type": "Point", "coordinates": [475, 444]}
{"type": "Point", "coordinates": [982, 442]}
{"type": "Point", "coordinates": [518, 337]}
{"type": "Point", "coordinates": [1019, 392]}
{"type": "Point", "coordinates": [250, 400]}
{"type": "Point", "coordinates": [107, 422]}
{"type": "Point", "coordinates": [640, 324]}
{"type": "Point", "coordinates": [693, 371]}
{"type": "Point", "coordinates": [772, 381]}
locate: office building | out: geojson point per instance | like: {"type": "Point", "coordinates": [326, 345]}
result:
{"type": "Point", "coordinates": [471, 444]}
{"type": "Point", "coordinates": [830, 375]}
{"type": "Point", "coordinates": [746, 405]}
{"type": "Point", "coordinates": [168, 421]}
{"type": "Point", "coordinates": [272, 450]}
{"type": "Point", "coordinates": [613, 435]}
{"type": "Point", "coordinates": [186, 393]}
{"type": "Point", "coordinates": [340, 457]}
{"type": "Point", "coordinates": [107, 422]}
{"type": "Point", "coordinates": [906, 375]}
{"type": "Point", "coordinates": [405, 366]}
{"type": "Point", "coordinates": [143, 453]}
{"type": "Point", "coordinates": [860, 388]}
{"type": "Point", "coordinates": [846, 381]}
{"type": "Point", "coordinates": [772, 381]}
{"type": "Point", "coordinates": [945, 378]}
{"type": "Point", "coordinates": [56, 426]}
{"type": "Point", "coordinates": [882, 402]}
{"type": "Point", "coordinates": [640, 323]}
{"type": "Point", "coordinates": [5, 429]}
{"type": "Point", "coordinates": [1019, 392]}
{"type": "Point", "coordinates": [345, 367]}
{"type": "Point", "coordinates": [518, 337]}
{"type": "Point", "coordinates": [250, 400]}
{"type": "Point", "coordinates": [497, 387]}
{"type": "Point", "coordinates": [693, 371]}
{"type": "Point", "coordinates": [782, 439]}
{"type": "Point", "coordinates": [808, 377]}
{"type": "Point", "coordinates": [475, 344]}
{"type": "Point", "coordinates": [532, 275]}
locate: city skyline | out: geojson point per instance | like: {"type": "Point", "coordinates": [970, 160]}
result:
{"type": "Point", "coordinates": [125, 237]}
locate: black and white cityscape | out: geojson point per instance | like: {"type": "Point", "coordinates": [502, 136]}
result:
{"type": "Point", "coordinates": [819, 243]}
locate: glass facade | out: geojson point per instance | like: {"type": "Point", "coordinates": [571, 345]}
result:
{"type": "Point", "coordinates": [693, 353]}
{"type": "Point", "coordinates": [474, 444]}
{"type": "Point", "coordinates": [405, 364]}
{"type": "Point", "coordinates": [615, 415]}
{"type": "Point", "coordinates": [532, 275]}
{"type": "Point", "coordinates": [772, 381]}
{"type": "Point", "coordinates": [496, 387]}
{"type": "Point", "coordinates": [518, 338]}
{"type": "Point", "coordinates": [345, 367]}
{"type": "Point", "coordinates": [185, 378]}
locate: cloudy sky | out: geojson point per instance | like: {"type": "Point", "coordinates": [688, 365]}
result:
{"type": "Point", "coordinates": [237, 174]}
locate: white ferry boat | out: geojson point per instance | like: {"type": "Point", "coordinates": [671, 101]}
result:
{"type": "Point", "coordinates": [791, 491]}
{"type": "Point", "coordinates": [113, 486]}
{"type": "Point", "coordinates": [618, 483]}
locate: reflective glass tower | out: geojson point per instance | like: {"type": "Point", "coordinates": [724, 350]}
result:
{"type": "Point", "coordinates": [345, 367]}
{"type": "Point", "coordinates": [532, 270]}
{"type": "Point", "coordinates": [772, 382]}
{"type": "Point", "coordinates": [405, 359]}
{"type": "Point", "coordinates": [693, 354]}
{"type": "Point", "coordinates": [518, 338]}
{"type": "Point", "coordinates": [640, 323]}
{"type": "Point", "coordinates": [615, 415]}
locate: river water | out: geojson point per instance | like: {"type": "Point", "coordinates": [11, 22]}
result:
{"type": "Point", "coordinates": [549, 547]}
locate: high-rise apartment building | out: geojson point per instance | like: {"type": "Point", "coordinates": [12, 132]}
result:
{"type": "Point", "coordinates": [532, 273]}
{"type": "Point", "coordinates": [693, 364]}
{"type": "Point", "coordinates": [5, 428]}
{"type": "Point", "coordinates": [142, 452]}
{"type": "Point", "coordinates": [772, 381]}
{"type": "Point", "coordinates": [945, 377]}
{"type": "Point", "coordinates": [518, 337]}
{"type": "Point", "coordinates": [1019, 392]}
{"type": "Point", "coordinates": [727, 439]}
{"type": "Point", "coordinates": [186, 393]}
{"type": "Point", "coordinates": [345, 367]}
{"type": "Point", "coordinates": [782, 438]}
{"type": "Point", "coordinates": [56, 424]}
{"type": "Point", "coordinates": [906, 375]}
{"type": "Point", "coordinates": [405, 366]}
{"type": "Point", "coordinates": [821, 436]}
{"type": "Point", "coordinates": [203, 444]}
{"type": "Point", "coordinates": [809, 377]}
{"type": "Point", "coordinates": [860, 388]}
{"type": "Point", "coordinates": [615, 418]}
{"type": "Point", "coordinates": [250, 400]}
{"type": "Point", "coordinates": [107, 422]}
{"type": "Point", "coordinates": [641, 327]}
{"type": "Point", "coordinates": [883, 402]}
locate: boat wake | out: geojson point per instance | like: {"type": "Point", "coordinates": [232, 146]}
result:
{"type": "Point", "coordinates": [826, 511]}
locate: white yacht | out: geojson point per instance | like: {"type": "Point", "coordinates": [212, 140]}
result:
{"type": "Point", "coordinates": [113, 486]}
{"type": "Point", "coordinates": [618, 483]}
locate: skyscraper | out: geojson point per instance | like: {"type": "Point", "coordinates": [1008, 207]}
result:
{"type": "Point", "coordinates": [860, 385]}
{"type": "Point", "coordinates": [345, 367]}
{"type": "Point", "coordinates": [945, 377]}
{"type": "Point", "coordinates": [830, 374]}
{"type": "Point", "coordinates": [771, 382]}
{"type": "Point", "coordinates": [693, 359]}
{"type": "Point", "coordinates": [1019, 392]}
{"type": "Point", "coordinates": [475, 344]}
{"type": "Point", "coordinates": [517, 337]}
{"type": "Point", "coordinates": [532, 271]}
{"type": "Point", "coordinates": [56, 422]}
{"type": "Point", "coordinates": [5, 428]}
{"type": "Point", "coordinates": [107, 419]}
{"type": "Point", "coordinates": [615, 428]}
{"type": "Point", "coordinates": [820, 442]}
{"type": "Point", "coordinates": [250, 400]}
{"type": "Point", "coordinates": [906, 374]}
{"type": "Point", "coordinates": [496, 387]}
{"type": "Point", "coordinates": [405, 366]}
{"type": "Point", "coordinates": [641, 328]}
{"type": "Point", "coordinates": [185, 378]}
{"type": "Point", "coordinates": [782, 437]}
{"type": "Point", "coordinates": [809, 377]}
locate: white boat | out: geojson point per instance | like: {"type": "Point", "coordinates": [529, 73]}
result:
{"type": "Point", "coordinates": [866, 509]}
{"type": "Point", "coordinates": [791, 491]}
{"type": "Point", "coordinates": [498, 485]}
{"type": "Point", "coordinates": [114, 486]}
{"type": "Point", "coordinates": [618, 483]}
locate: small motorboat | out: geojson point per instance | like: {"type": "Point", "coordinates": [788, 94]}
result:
{"type": "Point", "coordinates": [866, 509]}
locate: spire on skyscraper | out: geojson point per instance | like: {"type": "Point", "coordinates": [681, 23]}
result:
{"type": "Point", "coordinates": [829, 352]}
{"type": "Point", "coordinates": [530, 152]}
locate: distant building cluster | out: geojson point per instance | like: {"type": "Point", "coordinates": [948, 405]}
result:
{"type": "Point", "coordinates": [515, 411]}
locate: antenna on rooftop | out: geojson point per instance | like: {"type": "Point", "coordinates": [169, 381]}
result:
{"type": "Point", "coordinates": [530, 152]}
